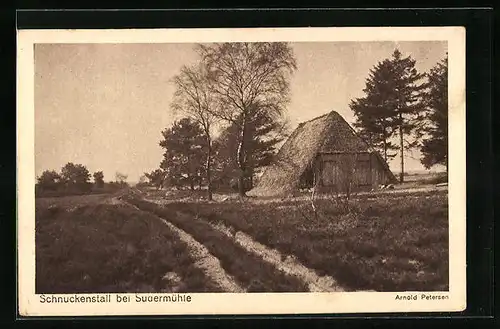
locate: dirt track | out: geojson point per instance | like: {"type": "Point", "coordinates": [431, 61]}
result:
{"type": "Point", "coordinates": [284, 263]}
{"type": "Point", "coordinates": [287, 264]}
{"type": "Point", "coordinates": [204, 259]}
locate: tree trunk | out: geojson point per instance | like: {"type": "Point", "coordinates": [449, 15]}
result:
{"type": "Point", "coordinates": [401, 145]}
{"type": "Point", "coordinates": [241, 184]}
{"type": "Point", "coordinates": [208, 167]}
{"type": "Point", "coordinates": [241, 159]}
{"type": "Point", "coordinates": [385, 145]}
{"type": "Point", "coordinates": [385, 150]}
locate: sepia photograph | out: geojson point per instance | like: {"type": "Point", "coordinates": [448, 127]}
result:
{"type": "Point", "coordinates": [197, 170]}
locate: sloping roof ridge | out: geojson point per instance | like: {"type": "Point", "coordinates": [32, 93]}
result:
{"type": "Point", "coordinates": [370, 147]}
{"type": "Point", "coordinates": [334, 115]}
{"type": "Point", "coordinates": [314, 119]}
{"type": "Point", "coordinates": [323, 133]}
{"type": "Point", "coordinates": [301, 124]}
{"type": "Point", "coordinates": [337, 116]}
{"type": "Point", "coordinates": [372, 150]}
{"type": "Point", "coordinates": [289, 139]}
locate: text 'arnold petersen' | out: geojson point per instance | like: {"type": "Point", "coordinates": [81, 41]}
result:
{"type": "Point", "coordinates": [107, 298]}
{"type": "Point", "coordinates": [422, 297]}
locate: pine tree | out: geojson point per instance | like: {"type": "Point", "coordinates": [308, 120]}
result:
{"type": "Point", "coordinates": [263, 135]}
{"type": "Point", "coordinates": [373, 116]}
{"type": "Point", "coordinates": [49, 180]}
{"type": "Point", "coordinates": [99, 179]}
{"type": "Point", "coordinates": [183, 157]}
{"type": "Point", "coordinates": [156, 178]}
{"type": "Point", "coordinates": [392, 106]}
{"type": "Point", "coordinates": [434, 147]}
{"type": "Point", "coordinates": [76, 177]}
{"type": "Point", "coordinates": [408, 105]}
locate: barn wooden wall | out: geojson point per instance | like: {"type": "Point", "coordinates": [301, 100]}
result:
{"type": "Point", "coordinates": [368, 173]}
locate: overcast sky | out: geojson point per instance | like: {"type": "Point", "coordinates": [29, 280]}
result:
{"type": "Point", "coordinates": [105, 105]}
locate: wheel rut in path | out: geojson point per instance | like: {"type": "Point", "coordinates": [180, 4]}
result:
{"type": "Point", "coordinates": [204, 260]}
{"type": "Point", "coordinates": [287, 264]}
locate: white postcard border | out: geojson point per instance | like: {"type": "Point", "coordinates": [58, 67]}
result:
{"type": "Point", "coordinates": [248, 303]}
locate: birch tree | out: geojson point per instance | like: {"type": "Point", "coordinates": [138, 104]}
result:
{"type": "Point", "coordinates": [194, 98]}
{"type": "Point", "coordinates": [248, 79]}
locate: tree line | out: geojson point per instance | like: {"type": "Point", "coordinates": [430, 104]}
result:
{"type": "Point", "coordinates": [241, 90]}
{"type": "Point", "coordinates": [75, 178]}
{"type": "Point", "coordinates": [242, 87]}
{"type": "Point", "coordinates": [404, 109]}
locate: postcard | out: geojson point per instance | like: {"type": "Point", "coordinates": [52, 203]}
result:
{"type": "Point", "coordinates": [241, 171]}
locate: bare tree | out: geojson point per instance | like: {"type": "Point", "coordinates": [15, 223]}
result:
{"type": "Point", "coordinates": [121, 178]}
{"type": "Point", "coordinates": [194, 98]}
{"type": "Point", "coordinates": [248, 79]}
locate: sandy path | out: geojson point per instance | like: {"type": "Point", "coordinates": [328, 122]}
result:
{"type": "Point", "coordinates": [286, 264]}
{"type": "Point", "coordinates": [204, 260]}
{"type": "Point", "coordinates": [113, 201]}
{"type": "Point", "coordinates": [289, 265]}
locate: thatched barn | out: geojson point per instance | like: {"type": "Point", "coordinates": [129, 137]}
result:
{"type": "Point", "coordinates": [325, 153]}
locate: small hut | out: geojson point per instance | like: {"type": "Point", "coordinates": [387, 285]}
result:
{"type": "Point", "coordinates": [325, 153]}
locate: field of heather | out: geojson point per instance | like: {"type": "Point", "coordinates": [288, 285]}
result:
{"type": "Point", "coordinates": [386, 243]}
{"type": "Point", "coordinates": [147, 241]}
{"type": "Point", "coordinates": [89, 244]}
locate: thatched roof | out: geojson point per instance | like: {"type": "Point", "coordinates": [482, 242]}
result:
{"type": "Point", "coordinates": [329, 133]}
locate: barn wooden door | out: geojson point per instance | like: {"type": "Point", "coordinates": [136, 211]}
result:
{"type": "Point", "coordinates": [363, 172]}
{"type": "Point", "coordinates": [329, 173]}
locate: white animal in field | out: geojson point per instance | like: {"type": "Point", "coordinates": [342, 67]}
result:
{"type": "Point", "coordinates": [386, 187]}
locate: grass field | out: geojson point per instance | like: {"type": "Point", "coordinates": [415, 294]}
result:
{"type": "Point", "coordinates": [83, 245]}
{"type": "Point", "coordinates": [426, 177]}
{"type": "Point", "coordinates": [383, 244]}
{"type": "Point", "coordinates": [70, 202]}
